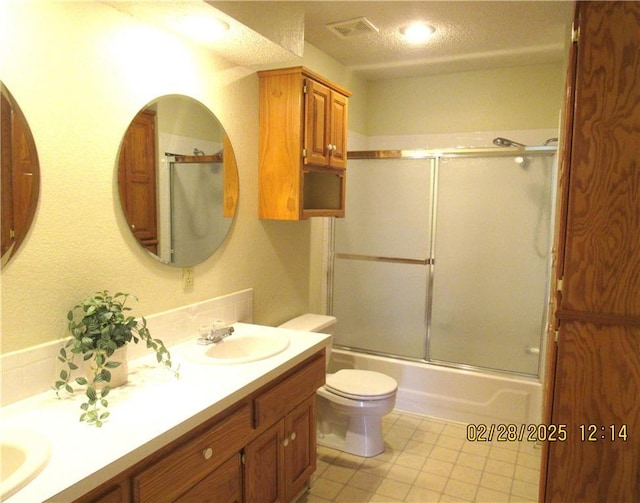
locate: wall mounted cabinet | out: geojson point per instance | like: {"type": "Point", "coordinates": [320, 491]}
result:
{"type": "Point", "coordinates": [303, 145]}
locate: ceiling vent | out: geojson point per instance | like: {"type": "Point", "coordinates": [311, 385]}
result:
{"type": "Point", "coordinates": [352, 28]}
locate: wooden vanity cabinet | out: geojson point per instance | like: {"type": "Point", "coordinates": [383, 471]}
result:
{"type": "Point", "coordinates": [261, 449]}
{"type": "Point", "coordinates": [303, 145]}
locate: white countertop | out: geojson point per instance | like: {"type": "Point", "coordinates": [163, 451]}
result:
{"type": "Point", "coordinates": [150, 411]}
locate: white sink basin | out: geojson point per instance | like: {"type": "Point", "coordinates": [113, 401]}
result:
{"type": "Point", "coordinates": [23, 455]}
{"type": "Point", "coordinates": [241, 348]}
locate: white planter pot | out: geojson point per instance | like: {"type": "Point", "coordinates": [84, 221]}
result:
{"type": "Point", "coordinates": [119, 375]}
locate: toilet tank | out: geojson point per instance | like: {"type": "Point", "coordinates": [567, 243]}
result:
{"type": "Point", "coordinates": [312, 323]}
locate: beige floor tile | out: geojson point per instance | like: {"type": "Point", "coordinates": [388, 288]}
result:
{"type": "Point", "coordinates": [524, 490]}
{"type": "Point", "coordinates": [471, 460]}
{"type": "Point", "coordinates": [503, 454]}
{"type": "Point", "coordinates": [496, 482]}
{"type": "Point", "coordinates": [462, 490]}
{"type": "Point", "coordinates": [444, 454]}
{"type": "Point", "coordinates": [426, 437]}
{"type": "Point", "coordinates": [393, 489]}
{"type": "Point", "coordinates": [499, 467]}
{"type": "Point", "coordinates": [485, 495]}
{"type": "Point", "coordinates": [411, 460]}
{"type": "Point", "coordinates": [526, 474]}
{"type": "Point", "coordinates": [477, 448]}
{"type": "Point", "coordinates": [432, 425]}
{"type": "Point", "coordinates": [353, 495]}
{"type": "Point", "coordinates": [466, 474]}
{"type": "Point", "coordinates": [402, 474]}
{"type": "Point", "coordinates": [431, 481]}
{"type": "Point", "coordinates": [438, 467]}
{"type": "Point", "coordinates": [450, 442]}
{"type": "Point", "coordinates": [528, 460]}
{"type": "Point", "coordinates": [338, 473]}
{"type": "Point", "coordinates": [456, 430]}
{"type": "Point", "coordinates": [418, 448]}
{"type": "Point", "coordinates": [366, 481]}
{"type": "Point", "coordinates": [421, 495]}
{"type": "Point", "coordinates": [325, 488]}
{"type": "Point", "coordinates": [402, 431]}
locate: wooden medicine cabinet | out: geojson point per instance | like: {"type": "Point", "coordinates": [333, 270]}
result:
{"type": "Point", "coordinates": [303, 145]}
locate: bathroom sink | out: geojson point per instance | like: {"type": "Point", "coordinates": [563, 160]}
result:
{"type": "Point", "coordinates": [23, 455]}
{"type": "Point", "coordinates": [242, 348]}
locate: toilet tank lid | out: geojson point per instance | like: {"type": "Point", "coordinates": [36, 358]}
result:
{"type": "Point", "coordinates": [310, 322]}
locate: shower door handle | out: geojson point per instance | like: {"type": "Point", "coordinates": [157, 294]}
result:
{"type": "Point", "coordinates": [394, 260]}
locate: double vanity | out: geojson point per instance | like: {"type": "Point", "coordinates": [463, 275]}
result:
{"type": "Point", "coordinates": [238, 425]}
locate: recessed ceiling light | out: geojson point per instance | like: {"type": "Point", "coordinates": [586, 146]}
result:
{"type": "Point", "coordinates": [418, 32]}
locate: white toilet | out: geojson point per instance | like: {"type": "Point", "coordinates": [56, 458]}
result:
{"type": "Point", "coordinates": [352, 402]}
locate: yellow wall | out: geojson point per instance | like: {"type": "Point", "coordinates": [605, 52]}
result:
{"type": "Point", "coordinates": [80, 71]}
{"type": "Point", "coordinates": [524, 97]}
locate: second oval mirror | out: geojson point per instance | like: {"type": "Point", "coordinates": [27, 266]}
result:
{"type": "Point", "coordinates": [178, 180]}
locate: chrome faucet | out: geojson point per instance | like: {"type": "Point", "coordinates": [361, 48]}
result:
{"type": "Point", "coordinates": [215, 335]}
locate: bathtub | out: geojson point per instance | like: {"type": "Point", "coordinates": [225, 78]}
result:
{"type": "Point", "coordinates": [468, 396]}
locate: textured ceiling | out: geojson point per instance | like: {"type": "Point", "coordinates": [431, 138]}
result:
{"type": "Point", "coordinates": [469, 35]}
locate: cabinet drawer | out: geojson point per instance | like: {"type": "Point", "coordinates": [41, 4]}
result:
{"type": "Point", "coordinates": [185, 466]}
{"type": "Point", "coordinates": [276, 402]}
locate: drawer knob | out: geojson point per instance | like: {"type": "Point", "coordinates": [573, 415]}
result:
{"type": "Point", "coordinates": [207, 453]}
{"type": "Point", "coordinates": [293, 436]}
{"type": "Point", "coordinates": [285, 442]}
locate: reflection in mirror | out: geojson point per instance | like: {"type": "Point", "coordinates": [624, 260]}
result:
{"type": "Point", "coordinates": [20, 176]}
{"type": "Point", "coordinates": [178, 180]}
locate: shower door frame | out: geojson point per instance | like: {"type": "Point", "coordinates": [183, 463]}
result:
{"type": "Point", "coordinates": [435, 155]}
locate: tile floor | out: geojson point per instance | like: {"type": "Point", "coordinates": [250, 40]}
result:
{"type": "Point", "coordinates": [428, 460]}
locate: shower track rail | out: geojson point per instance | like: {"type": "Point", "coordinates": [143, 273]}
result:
{"type": "Point", "coordinates": [542, 150]}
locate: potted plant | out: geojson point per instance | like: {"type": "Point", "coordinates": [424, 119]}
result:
{"type": "Point", "coordinates": [99, 327]}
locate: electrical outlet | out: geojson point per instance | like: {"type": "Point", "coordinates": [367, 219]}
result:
{"type": "Point", "coordinates": [187, 278]}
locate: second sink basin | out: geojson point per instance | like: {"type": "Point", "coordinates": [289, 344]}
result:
{"type": "Point", "coordinates": [23, 455]}
{"type": "Point", "coordinates": [241, 348]}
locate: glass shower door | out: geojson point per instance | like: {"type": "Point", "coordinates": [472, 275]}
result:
{"type": "Point", "coordinates": [491, 262]}
{"type": "Point", "coordinates": [381, 261]}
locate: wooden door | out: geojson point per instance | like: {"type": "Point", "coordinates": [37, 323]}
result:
{"type": "Point", "coordinates": [317, 99]}
{"type": "Point", "coordinates": [301, 449]}
{"type": "Point", "coordinates": [265, 465]}
{"type": "Point", "coordinates": [596, 372]}
{"type": "Point", "coordinates": [137, 179]}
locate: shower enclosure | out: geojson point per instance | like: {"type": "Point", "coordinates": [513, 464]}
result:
{"type": "Point", "coordinates": [443, 256]}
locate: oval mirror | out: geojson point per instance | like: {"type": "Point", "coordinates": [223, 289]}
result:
{"type": "Point", "coordinates": [20, 176]}
{"type": "Point", "coordinates": [177, 180]}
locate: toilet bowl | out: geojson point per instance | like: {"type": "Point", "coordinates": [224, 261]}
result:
{"type": "Point", "coordinates": [352, 402]}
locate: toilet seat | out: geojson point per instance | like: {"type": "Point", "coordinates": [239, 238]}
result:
{"type": "Point", "coordinates": [361, 384]}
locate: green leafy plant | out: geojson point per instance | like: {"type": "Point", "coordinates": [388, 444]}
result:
{"type": "Point", "coordinates": [99, 325]}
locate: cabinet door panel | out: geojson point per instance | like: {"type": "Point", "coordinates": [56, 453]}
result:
{"type": "Point", "coordinates": [301, 450]}
{"type": "Point", "coordinates": [317, 112]}
{"type": "Point", "coordinates": [602, 266]}
{"type": "Point", "coordinates": [338, 132]}
{"type": "Point", "coordinates": [596, 397]}
{"type": "Point", "coordinates": [265, 475]}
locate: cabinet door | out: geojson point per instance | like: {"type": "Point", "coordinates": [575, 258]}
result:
{"type": "Point", "coordinates": [265, 477]}
{"type": "Point", "coordinates": [598, 402]}
{"type": "Point", "coordinates": [300, 451]}
{"type": "Point", "coordinates": [224, 485]}
{"type": "Point", "coordinates": [338, 131]}
{"type": "Point", "coordinates": [317, 105]}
